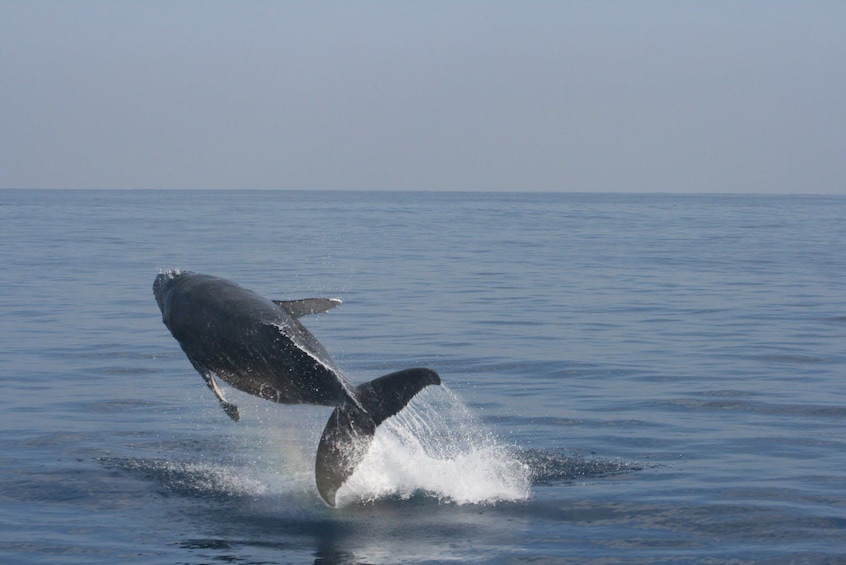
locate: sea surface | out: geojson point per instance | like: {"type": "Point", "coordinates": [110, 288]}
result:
{"type": "Point", "coordinates": [627, 379]}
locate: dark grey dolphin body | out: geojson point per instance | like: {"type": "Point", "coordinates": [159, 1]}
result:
{"type": "Point", "coordinates": [260, 347]}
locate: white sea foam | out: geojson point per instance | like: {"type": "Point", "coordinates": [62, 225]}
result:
{"type": "Point", "coordinates": [437, 447]}
{"type": "Point", "coordinates": [195, 477]}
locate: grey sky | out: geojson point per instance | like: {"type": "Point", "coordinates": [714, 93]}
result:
{"type": "Point", "coordinates": [473, 95]}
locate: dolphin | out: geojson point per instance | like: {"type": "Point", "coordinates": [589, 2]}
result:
{"type": "Point", "coordinates": [259, 346]}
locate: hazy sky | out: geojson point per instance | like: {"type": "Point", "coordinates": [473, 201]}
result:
{"type": "Point", "coordinates": [709, 96]}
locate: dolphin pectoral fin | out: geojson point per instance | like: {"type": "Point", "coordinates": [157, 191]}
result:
{"type": "Point", "coordinates": [306, 306]}
{"type": "Point", "coordinates": [350, 429]}
{"type": "Point", "coordinates": [230, 409]}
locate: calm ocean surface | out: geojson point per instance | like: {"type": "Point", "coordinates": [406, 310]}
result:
{"type": "Point", "coordinates": [629, 378]}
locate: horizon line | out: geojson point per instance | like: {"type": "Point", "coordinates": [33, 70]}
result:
{"type": "Point", "coordinates": [432, 191]}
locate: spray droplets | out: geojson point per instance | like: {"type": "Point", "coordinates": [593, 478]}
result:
{"type": "Point", "coordinates": [437, 447]}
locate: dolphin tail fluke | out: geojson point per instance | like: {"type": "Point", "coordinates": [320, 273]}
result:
{"type": "Point", "coordinates": [344, 443]}
{"type": "Point", "coordinates": [351, 426]}
{"type": "Point", "coordinates": [385, 396]}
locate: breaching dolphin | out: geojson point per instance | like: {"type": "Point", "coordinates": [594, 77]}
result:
{"type": "Point", "coordinates": [260, 347]}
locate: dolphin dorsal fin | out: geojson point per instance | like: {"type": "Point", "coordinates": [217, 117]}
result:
{"type": "Point", "coordinates": [306, 306]}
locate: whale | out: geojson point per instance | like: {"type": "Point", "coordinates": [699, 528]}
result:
{"type": "Point", "coordinates": [261, 347]}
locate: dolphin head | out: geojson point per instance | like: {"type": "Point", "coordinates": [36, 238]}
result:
{"type": "Point", "coordinates": [161, 285]}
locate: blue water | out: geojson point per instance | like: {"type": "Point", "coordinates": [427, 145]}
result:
{"type": "Point", "coordinates": [629, 378]}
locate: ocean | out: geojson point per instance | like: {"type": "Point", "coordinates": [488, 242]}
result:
{"type": "Point", "coordinates": [627, 378]}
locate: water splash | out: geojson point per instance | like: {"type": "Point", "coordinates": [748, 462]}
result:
{"type": "Point", "coordinates": [437, 447]}
{"type": "Point", "coordinates": [557, 467]}
{"type": "Point", "coordinates": [198, 479]}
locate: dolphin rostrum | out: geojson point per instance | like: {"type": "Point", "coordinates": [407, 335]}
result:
{"type": "Point", "coordinates": [260, 347]}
